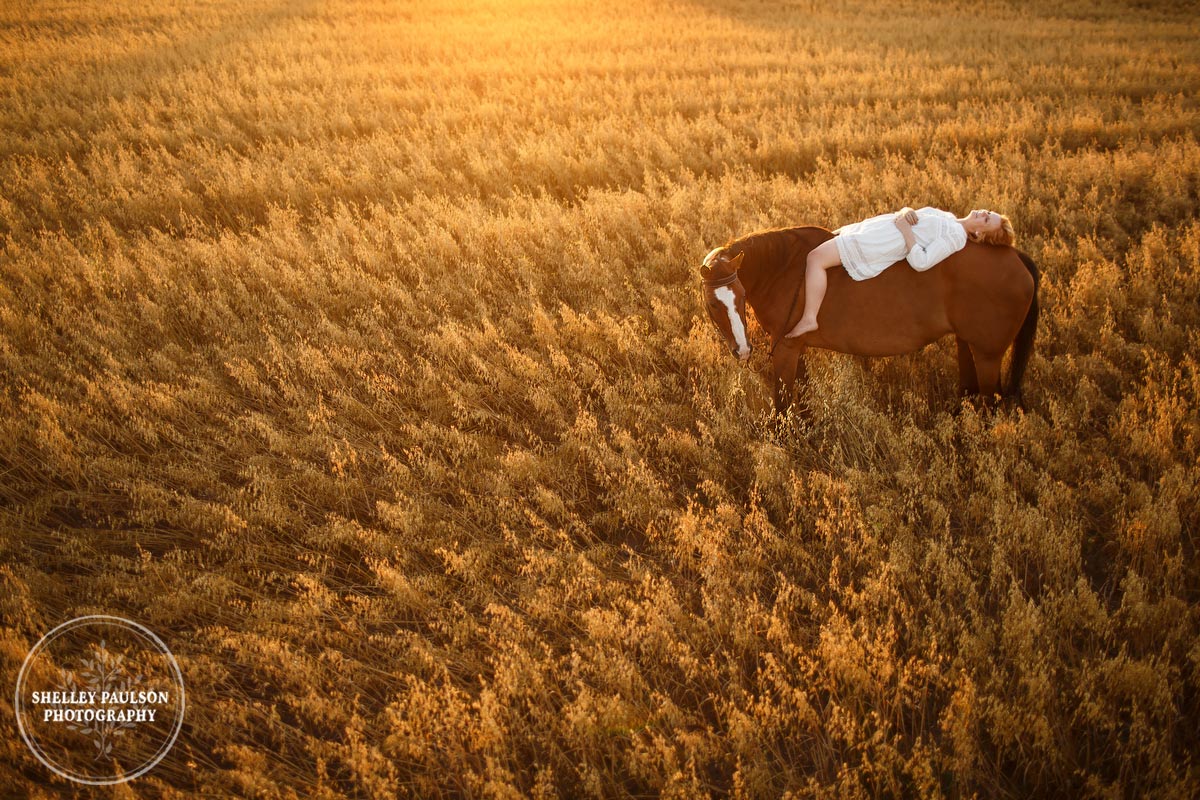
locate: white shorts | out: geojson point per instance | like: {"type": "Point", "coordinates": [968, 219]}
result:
{"type": "Point", "coordinates": [869, 247]}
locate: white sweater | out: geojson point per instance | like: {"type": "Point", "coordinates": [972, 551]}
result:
{"type": "Point", "coordinates": [939, 234]}
{"type": "Point", "coordinates": [871, 246]}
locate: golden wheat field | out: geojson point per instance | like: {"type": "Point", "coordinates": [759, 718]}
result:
{"type": "Point", "coordinates": [356, 349]}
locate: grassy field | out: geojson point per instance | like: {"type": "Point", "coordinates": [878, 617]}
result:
{"type": "Point", "coordinates": [356, 348]}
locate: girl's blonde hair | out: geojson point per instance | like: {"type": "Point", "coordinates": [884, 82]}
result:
{"type": "Point", "coordinates": [1005, 234]}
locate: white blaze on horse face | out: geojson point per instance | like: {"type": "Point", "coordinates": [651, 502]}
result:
{"type": "Point", "coordinates": [725, 295]}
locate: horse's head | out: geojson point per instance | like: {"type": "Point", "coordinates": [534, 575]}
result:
{"type": "Point", "coordinates": [725, 299]}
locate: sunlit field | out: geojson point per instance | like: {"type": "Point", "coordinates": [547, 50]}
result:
{"type": "Point", "coordinates": [357, 349]}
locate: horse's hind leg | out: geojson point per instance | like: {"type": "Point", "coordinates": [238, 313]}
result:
{"type": "Point", "coordinates": [987, 369]}
{"type": "Point", "coordinates": [968, 381]}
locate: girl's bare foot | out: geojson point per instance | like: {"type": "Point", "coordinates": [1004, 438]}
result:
{"type": "Point", "coordinates": [805, 325]}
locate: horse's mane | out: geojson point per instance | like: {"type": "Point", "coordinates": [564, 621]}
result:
{"type": "Point", "coordinates": [770, 251]}
{"type": "Point", "coordinates": [768, 242]}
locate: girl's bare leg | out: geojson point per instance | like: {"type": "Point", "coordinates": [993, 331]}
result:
{"type": "Point", "coordinates": [820, 259]}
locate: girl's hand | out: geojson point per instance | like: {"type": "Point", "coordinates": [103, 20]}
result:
{"type": "Point", "coordinates": [904, 220]}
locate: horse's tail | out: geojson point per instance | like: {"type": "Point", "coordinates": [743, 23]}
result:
{"type": "Point", "coordinates": [1023, 344]}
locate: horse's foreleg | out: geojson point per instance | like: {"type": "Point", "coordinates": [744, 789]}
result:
{"type": "Point", "coordinates": [968, 381]}
{"type": "Point", "coordinates": [788, 366]}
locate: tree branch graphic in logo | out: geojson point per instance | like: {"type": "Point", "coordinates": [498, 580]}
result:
{"type": "Point", "coordinates": [103, 674]}
{"type": "Point", "coordinates": [100, 700]}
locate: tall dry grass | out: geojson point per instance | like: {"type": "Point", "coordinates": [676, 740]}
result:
{"type": "Point", "coordinates": [354, 347]}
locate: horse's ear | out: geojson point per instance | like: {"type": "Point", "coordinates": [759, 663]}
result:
{"type": "Point", "coordinates": [736, 262]}
{"type": "Point", "coordinates": [705, 271]}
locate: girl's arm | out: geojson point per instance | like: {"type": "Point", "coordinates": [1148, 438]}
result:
{"type": "Point", "coordinates": [922, 258]}
{"type": "Point", "coordinates": [905, 219]}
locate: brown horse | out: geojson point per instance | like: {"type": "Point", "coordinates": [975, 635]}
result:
{"type": "Point", "coordinates": [985, 295]}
